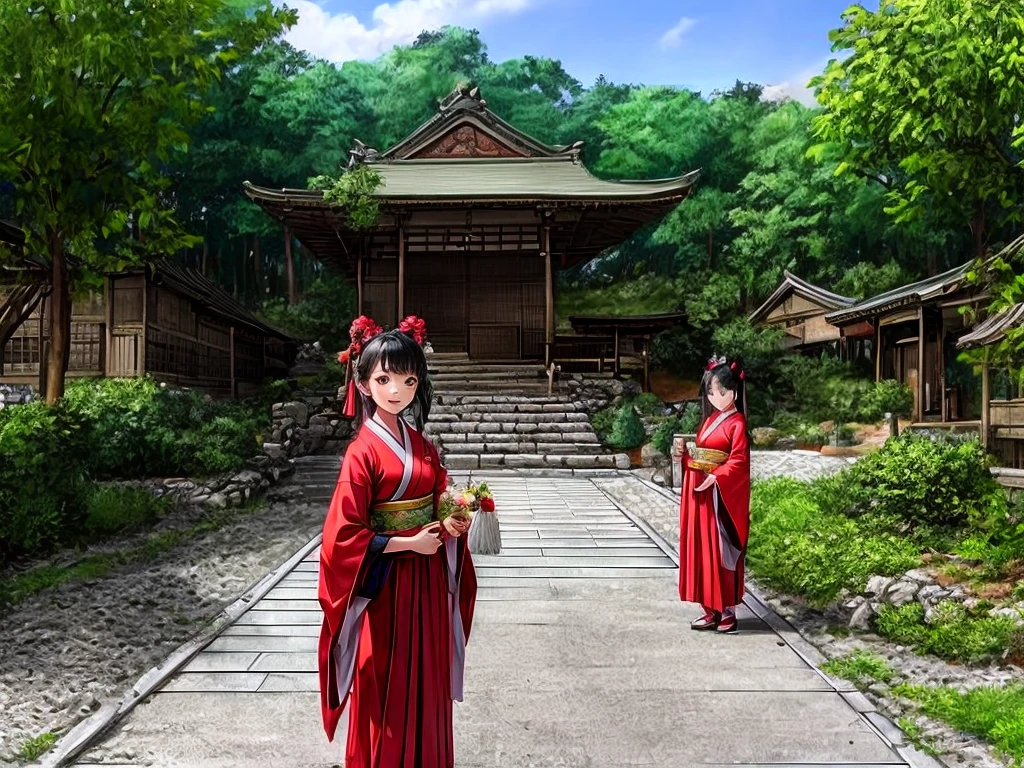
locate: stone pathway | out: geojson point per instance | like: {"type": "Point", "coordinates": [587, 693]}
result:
{"type": "Point", "coordinates": [580, 656]}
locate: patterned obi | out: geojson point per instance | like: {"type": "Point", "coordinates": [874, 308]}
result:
{"type": "Point", "coordinates": [706, 459]}
{"type": "Point", "coordinates": [402, 515]}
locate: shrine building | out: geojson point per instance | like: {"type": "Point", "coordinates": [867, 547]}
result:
{"type": "Point", "coordinates": [475, 217]}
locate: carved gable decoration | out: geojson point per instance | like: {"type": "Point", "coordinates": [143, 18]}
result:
{"type": "Point", "coordinates": [467, 140]}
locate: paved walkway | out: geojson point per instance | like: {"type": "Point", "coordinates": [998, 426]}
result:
{"type": "Point", "coordinates": [580, 656]}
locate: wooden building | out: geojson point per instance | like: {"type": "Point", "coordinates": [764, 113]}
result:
{"type": "Point", "coordinates": [475, 216]}
{"type": "Point", "coordinates": [798, 308]}
{"type": "Point", "coordinates": [166, 321]}
{"type": "Point", "coordinates": [915, 330]}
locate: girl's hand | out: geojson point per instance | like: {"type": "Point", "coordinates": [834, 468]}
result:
{"type": "Point", "coordinates": [456, 525]}
{"type": "Point", "coordinates": [427, 541]}
{"type": "Point", "coordinates": [708, 482]}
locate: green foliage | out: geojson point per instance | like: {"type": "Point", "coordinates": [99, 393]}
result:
{"type": "Point", "coordinates": [648, 294]}
{"type": "Point", "coordinates": [43, 485]}
{"type": "Point", "coordinates": [36, 747]}
{"type": "Point", "coordinates": [955, 635]}
{"type": "Point", "coordinates": [864, 280]}
{"type": "Point", "coordinates": [922, 482]}
{"type": "Point", "coordinates": [120, 509]}
{"type": "Point", "coordinates": [888, 396]}
{"type": "Point", "coordinates": [888, 106]}
{"type": "Point", "coordinates": [324, 313]}
{"type": "Point", "coordinates": [627, 430]}
{"type": "Point", "coordinates": [800, 548]}
{"type": "Point", "coordinates": [353, 190]}
{"type": "Point", "coordinates": [860, 667]}
{"type": "Point", "coordinates": [995, 713]}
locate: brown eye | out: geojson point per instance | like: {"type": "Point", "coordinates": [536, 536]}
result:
{"type": "Point", "coordinates": [382, 380]}
{"type": "Point", "coordinates": [411, 381]}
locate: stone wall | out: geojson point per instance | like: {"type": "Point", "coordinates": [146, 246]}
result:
{"type": "Point", "coordinates": [308, 425]}
{"type": "Point", "coordinates": [15, 394]}
{"type": "Point", "coordinates": [592, 395]}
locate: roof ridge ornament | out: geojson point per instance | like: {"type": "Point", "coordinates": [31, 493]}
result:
{"type": "Point", "coordinates": [361, 153]}
{"type": "Point", "coordinates": [462, 97]}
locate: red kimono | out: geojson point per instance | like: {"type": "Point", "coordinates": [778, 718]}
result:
{"type": "Point", "coordinates": [714, 523]}
{"type": "Point", "coordinates": [395, 624]}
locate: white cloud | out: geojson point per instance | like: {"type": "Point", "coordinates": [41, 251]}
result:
{"type": "Point", "coordinates": [674, 36]}
{"type": "Point", "coordinates": [342, 37]}
{"type": "Point", "coordinates": [795, 87]}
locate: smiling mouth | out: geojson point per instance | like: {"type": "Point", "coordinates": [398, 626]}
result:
{"type": "Point", "coordinates": [396, 402]}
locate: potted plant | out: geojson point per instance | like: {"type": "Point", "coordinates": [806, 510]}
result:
{"type": "Point", "coordinates": [628, 433]}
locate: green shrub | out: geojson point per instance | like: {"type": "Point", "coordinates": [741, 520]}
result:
{"type": "Point", "coordinates": [885, 397]}
{"type": "Point", "coordinates": [662, 437]}
{"type": "Point", "coordinates": [956, 635]}
{"type": "Point", "coordinates": [602, 421]}
{"type": "Point", "coordinates": [120, 509]}
{"type": "Point", "coordinates": [628, 431]}
{"type": "Point", "coordinates": [324, 313]}
{"type": "Point", "coordinates": [43, 485]}
{"type": "Point", "coordinates": [941, 483]}
{"type": "Point", "coordinates": [648, 404]}
{"type": "Point", "coordinates": [798, 548]}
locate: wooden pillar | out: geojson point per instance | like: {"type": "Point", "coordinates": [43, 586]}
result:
{"type": "Point", "coordinates": [615, 370]}
{"type": "Point", "coordinates": [401, 274]}
{"type": "Point", "coordinates": [140, 354]}
{"type": "Point", "coordinates": [108, 292]}
{"type": "Point", "coordinates": [940, 356]}
{"type": "Point", "coordinates": [920, 365]}
{"type": "Point", "coordinates": [878, 349]}
{"type": "Point", "coordinates": [289, 266]}
{"type": "Point", "coordinates": [234, 390]}
{"type": "Point", "coordinates": [549, 298]}
{"type": "Point", "coordinates": [359, 283]}
{"type": "Point", "coordinates": [986, 400]}
{"type": "Point", "coordinates": [647, 368]}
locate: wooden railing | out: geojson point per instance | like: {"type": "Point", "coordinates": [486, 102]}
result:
{"type": "Point", "coordinates": [571, 350]}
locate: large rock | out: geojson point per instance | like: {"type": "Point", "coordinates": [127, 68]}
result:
{"type": "Point", "coordinates": [298, 411]}
{"type": "Point", "coordinates": [902, 592]}
{"type": "Point", "coordinates": [765, 437]}
{"type": "Point", "coordinates": [652, 457]}
{"type": "Point", "coordinates": [861, 618]}
{"type": "Point", "coordinates": [878, 585]}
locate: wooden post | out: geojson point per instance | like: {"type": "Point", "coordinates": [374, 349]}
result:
{"type": "Point", "coordinates": [549, 297]}
{"type": "Point", "coordinates": [401, 274]}
{"type": "Point", "coordinates": [140, 355]}
{"type": "Point", "coordinates": [986, 400]}
{"type": "Point", "coordinates": [289, 266]}
{"type": "Point", "coordinates": [234, 391]}
{"type": "Point", "coordinates": [615, 370]}
{"type": "Point", "coordinates": [647, 368]}
{"type": "Point", "coordinates": [920, 365]}
{"type": "Point", "coordinates": [108, 288]}
{"type": "Point", "coordinates": [940, 356]}
{"type": "Point", "coordinates": [359, 284]}
{"type": "Point", "coordinates": [43, 351]}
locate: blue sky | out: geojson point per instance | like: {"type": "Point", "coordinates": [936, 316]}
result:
{"type": "Point", "coordinates": [698, 44]}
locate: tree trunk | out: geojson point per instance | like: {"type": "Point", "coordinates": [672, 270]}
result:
{"type": "Point", "coordinates": [978, 228]}
{"type": "Point", "coordinates": [289, 266]}
{"type": "Point", "coordinates": [257, 256]}
{"type": "Point", "coordinates": [59, 351]}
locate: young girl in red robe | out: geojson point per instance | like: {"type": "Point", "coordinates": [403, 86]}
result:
{"type": "Point", "coordinates": [715, 503]}
{"type": "Point", "coordinates": [397, 584]}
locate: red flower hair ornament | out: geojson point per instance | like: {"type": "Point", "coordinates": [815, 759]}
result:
{"type": "Point", "coordinates": [714, 362]}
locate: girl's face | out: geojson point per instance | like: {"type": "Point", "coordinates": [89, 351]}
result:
{"type": "Point", "coordinates": [391, 391]}
{"type": "Point", "coordinates": [721, 399]}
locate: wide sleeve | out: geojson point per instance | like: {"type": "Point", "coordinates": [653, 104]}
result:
{"type": "Point", "coordinates": [440, 478]}
{"type": "Point", "coordinates": [733, 478]}
{"type": "Point", "coordinates": [348, 540]}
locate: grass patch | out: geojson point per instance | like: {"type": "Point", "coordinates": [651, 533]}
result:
{"type": "Point", "coordinates": [862, 668]}
{"type": "Point", "coordinates": [648, 294]}
{"type": "Point", "coordinates": [915, 735]}
{"type": "Point", "coordinates": [35, 748]}
{"type": "Point", "coordinates": [120, 509]}
{"type": "Point", "coordinates": [23, 586]}
{"type": "Point", "coordinates": [994, 714]}
{"type": "Point", "coordinates": [955, 634]}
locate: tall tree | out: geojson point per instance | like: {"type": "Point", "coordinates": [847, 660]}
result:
{"type": "Point", "coordinates": [95, 98]}
{"type": "Point", "coordinates": [928, 103]}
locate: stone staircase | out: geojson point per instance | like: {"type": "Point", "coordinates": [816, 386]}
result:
{"type": "Point", "coordinates": [489, 415]}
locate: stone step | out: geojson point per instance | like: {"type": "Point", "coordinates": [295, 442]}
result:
{"type": "Point", "coordinates": [498, 386]}
{"type": "Point", "coordinates": [478, 398]}
{"type": "Point", "coordinates": [536, 460]}
{"type": "Point", "coordinates": [472, 369]}
{"type": "Point", "coordinates": [510, 427]}
{"type": "Point", "coordinates": [452, 438]}
{"type": "Point", "coordinates": [508, 418]}
{"type": "Point", "coordinates": [512, 409]}
{"type": "Point", "coordinates": [525, 447]}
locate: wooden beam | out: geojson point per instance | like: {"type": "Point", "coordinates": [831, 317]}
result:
{"type": "Point", "coordinates": [549, 295]}
{"type": "Point", "coordinates": [289, 267]}
{"type": "Point", "coordinates": [986, 401]}
{"type": "Point", "coordinates": [615, 370]}
{"type": "Point", "coordinates": [920, 365]}
{"type": "Point", "coordinates": [401, 274]}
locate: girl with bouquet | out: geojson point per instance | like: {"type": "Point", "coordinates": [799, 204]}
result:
{"type": "Point", "coordinates": [397, 584]}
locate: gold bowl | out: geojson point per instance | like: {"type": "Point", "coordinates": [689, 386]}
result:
{"type": "Point", "coordinates": [706, 459]}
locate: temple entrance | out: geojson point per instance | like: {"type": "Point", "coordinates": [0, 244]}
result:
{"type": "Point", "coordinates": [488, 305]}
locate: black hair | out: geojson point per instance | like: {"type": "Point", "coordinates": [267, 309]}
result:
{"type": "Point", "coordinates": [728, 378]}
{"type": "Point", "coordinates": [397, 353]}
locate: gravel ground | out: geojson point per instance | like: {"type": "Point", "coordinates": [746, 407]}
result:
{"type": "Point", "coordinates": [956, 749]}
{"type": "Point", "coordinates": [67, 650]}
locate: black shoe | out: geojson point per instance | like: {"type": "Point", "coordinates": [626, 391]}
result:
{"type": "Point", "coordinates": [706, 622]}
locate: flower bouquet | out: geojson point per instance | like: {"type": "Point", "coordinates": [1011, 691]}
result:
{"type": "Point", "coordinates": [484, 532]}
